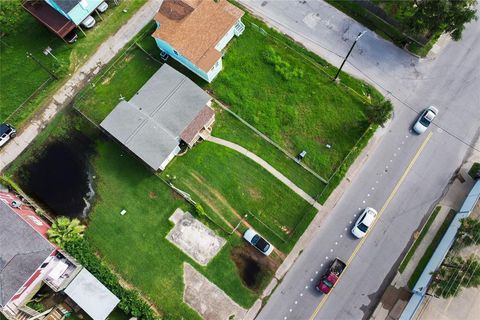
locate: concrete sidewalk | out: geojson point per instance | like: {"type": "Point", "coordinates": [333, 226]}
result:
{"type": "Point", "coordinates": [78, 80]}
{"type": "Point", "coordinates": [267, 167]}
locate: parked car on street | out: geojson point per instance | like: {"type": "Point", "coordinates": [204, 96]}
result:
{"type": "Point", "coordinates": [364, 221]}
{"type": "Point", "coordinates": [88, 23]}
{"type": "Point", "coordinates": [328, 280]}
{"type": "Point", "coordinates": [7, 132]}
{"type": "Point", "coordinates": [102, 7]}
{"type": "Point", "coordinates": [426, 117]}
{"type": "Point", "coordinates": [258, 242]}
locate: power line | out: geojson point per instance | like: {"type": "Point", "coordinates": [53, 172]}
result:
{"type": "Point", "coordinates": [368, 77]}
{"type": "Point", "coordinates": [452, 279]}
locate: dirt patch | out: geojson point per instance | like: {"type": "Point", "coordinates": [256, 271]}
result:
{"type": "Point", "coordinates": [152, 195]}
{"type": "Point", "coordinates": [254, 194]}
{"type": "Point", "coordinates": [254, 268]}
{"type": "Point", "coordinates": [207, 299]}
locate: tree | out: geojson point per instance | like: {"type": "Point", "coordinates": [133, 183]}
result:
{"type": "Point", "coordinates": [64, 230]}
{"type": "Point", "coordinates": [468, 233]}
{"type": "Point", "coordinates": [438, 16]}
{"type": "Point", "coordinates": [456, 273]}
{"type": "Point", "coordinates": [10, 14]}
{"type": "Point", "coordinates": [380, 112]}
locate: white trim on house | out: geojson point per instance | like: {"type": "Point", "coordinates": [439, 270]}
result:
{"type": "Point", "coordinates": [169, 158]}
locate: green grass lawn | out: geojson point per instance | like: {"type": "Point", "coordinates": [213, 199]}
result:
{"type": "Point", "coordinates": [229, 128]}
{"type": "Point", "coordinates": [288, 97]}
{"type": "Point", "coordinates": [134, 244]}
{"type": "Point", "coordinates": [20, 76]}
{"type": "Point", "coordinates": [230, 185]}
{"type": "Point", "coordinates": [149, 262]}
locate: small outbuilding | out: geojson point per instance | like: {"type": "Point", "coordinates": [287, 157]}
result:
{"type": "Point", "coordinates": [91, 295]}
{"type": "Point", "coordinates": [169, 110]}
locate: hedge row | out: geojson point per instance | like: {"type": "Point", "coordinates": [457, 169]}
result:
{"type": "Point", "coordinates": [130, 301]}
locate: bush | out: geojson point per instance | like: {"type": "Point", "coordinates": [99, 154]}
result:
{"type": "Point", "coordinates": [474, 170]}
{"type": "Point", "coordinates": [281, 66]}
{"type": "Point", "coordinates": [379, 113]}
{"type": "Point", "coordinates": [130, 301]}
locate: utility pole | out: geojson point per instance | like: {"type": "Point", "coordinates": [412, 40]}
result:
{"type": "Point", "coordinates": [31, 56]}
{"type": "Point", "coordinates": [350, 51]}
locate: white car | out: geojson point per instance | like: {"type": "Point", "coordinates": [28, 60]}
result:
{"type": "Point", "coordinates": [7, 132]}
{"type": "Point", "coordinates": [364, 222]}
{"type": "Point", "coordinates": [89, 22]}
{"type": "Point", "coordinates": [426, 117]}
{"type": "Point", "coordinates": [258, 242]}
{"type": "Point", "coordinates": [102, 7]}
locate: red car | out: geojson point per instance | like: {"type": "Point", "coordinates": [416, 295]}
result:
{"type": "Point", "coordinates": [328, 280]}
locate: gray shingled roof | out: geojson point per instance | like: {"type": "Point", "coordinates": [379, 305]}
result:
{"type": "Point", "coordinates": [22, 251]}
{"type": "Point", "coordinates": [150, 124]}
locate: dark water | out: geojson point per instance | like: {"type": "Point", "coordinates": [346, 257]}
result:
{"type": "Point", "coordinates": [251, 272]}
{"type": "Point", "coordinates": [59, 178]}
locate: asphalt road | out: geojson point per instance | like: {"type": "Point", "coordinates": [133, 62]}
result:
{"type": "Point", "coordinates": [404, 175]}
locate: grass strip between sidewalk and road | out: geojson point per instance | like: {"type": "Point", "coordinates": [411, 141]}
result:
{"type": "Point", "coordinates": [431, 249]}
{"type": "Point", "coordinates": [419, 239]}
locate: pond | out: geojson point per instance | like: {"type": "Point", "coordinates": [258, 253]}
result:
{"type": "Point", "coordinates": [59, 178]}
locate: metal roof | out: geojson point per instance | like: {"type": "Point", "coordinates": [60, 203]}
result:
{"type": "Point", "coordinates": [22, 251]}
{"type": "Point", "coordinates": [67, 5]}
{"type": "Point", "coordinates": [150, 124]}
{"type": "Point", "coordinates": [49, 17]}
{"type": "Point", "coordinates": [91, 295]}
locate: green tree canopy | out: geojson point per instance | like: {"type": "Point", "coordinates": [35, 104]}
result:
{"type": "Point", "coordinates": [10, 13]}
{"type": "Point", "coordinates": [456, 273]}
{"type": "Point", "coordinates": [437, 16]}
{"type": "Point", "coordinates": [468, 233]}
{"type": "Point", "coordinates": [64, 230]}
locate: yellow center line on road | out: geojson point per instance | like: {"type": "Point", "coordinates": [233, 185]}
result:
{"type": "Point", "coordinates": [389, 199]}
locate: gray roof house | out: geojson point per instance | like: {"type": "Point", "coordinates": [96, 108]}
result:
{"type": "Point", "coordinates": [168, 110]}
{"type": "Point", "coordinates": [22, 251]}
{"type": "Point", "coordinates": [28, 261]}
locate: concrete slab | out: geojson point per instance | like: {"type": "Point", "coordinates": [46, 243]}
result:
{"type": "Point", "coordinates": [207, 299]}
{"type": "Point", "coordinates": [194, 238]}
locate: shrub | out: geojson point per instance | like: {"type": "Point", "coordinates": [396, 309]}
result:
{"type": "Point", "coordinates": [281, 66]}
{"type": "Point", "coordinates": [130, 301]}
{"type": "Point", "coordinates": [64, 230]}
{"type": "Point", "coordinates": [380, 112]}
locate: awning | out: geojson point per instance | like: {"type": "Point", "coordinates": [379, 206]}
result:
{"type": "Point", "coordinates": [49, 17]}
{"type": "Point", "coordinates": [91, 295]}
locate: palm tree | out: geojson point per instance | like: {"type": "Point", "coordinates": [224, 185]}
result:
{"type": "Point", "coordinates": [64, 230]}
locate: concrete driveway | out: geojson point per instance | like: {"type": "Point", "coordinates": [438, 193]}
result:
{"type": "Point", "coordinates": [402, 178]}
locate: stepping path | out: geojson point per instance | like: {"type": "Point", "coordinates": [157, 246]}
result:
{"type": "Point", "coordinates": [266, 166]}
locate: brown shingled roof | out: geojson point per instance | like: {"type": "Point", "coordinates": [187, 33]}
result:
{"type": "Point", "coordinates": [194, 27]}
{"type": "Point", "coordinates": [202, 118]}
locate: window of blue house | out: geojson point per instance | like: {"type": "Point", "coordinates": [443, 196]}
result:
{"type": "Point", "coordinates": [175, 51]}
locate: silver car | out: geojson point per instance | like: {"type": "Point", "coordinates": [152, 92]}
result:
{"type": "Point", "coordinates": [426, 117]}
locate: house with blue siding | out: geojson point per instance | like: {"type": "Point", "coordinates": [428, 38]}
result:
{"type": "Point", "coordinates": [75, 10]}
{"type": "Point", "coordinates": [196, 32]}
